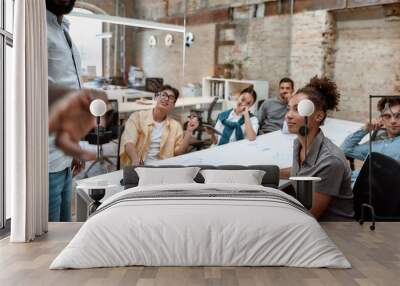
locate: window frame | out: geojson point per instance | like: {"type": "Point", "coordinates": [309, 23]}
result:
{"type": "Point", "coordinates": [6, 39]}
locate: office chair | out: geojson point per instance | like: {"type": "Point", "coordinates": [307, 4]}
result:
{"type": "Point", "coordinates": [106, 135]}
{"type": "Point", "coordinates": [385, 192]}
{"type": "Point", "coordinates": [260, 102]}
{"type": "Point", "coordinates": [119, 147]}
{"type": "Point", "coordinates": [154, 84]}
{"type": "Point", "coordinates": [201, 143]}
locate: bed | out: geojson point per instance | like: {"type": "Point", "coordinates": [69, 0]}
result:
{"type": "Point", "coordinates": [201, 224]}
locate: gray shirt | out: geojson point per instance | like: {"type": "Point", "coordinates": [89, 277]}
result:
{"type": "Point", "coordinates": [62, 71]}
{"type": "Point", "coordinates": [327, 161]}
{"type": "Point", "coordinates": [271, 115]}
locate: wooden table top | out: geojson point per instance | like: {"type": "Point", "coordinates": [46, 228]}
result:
{"type": "Point", "coordinates": [374, 255]}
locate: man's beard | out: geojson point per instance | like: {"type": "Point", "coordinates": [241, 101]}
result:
{"type": "Point", "coordinates": [59, 10]}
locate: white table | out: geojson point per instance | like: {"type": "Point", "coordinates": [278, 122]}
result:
{"type": "Point", "coordinates": [129, 107]}
{"type": "Point", "coordinates": [123, 94]}
{"type": "Point", "coordinates": [269, 149]}
{"type": "Point", "coordinates": [274, 148]}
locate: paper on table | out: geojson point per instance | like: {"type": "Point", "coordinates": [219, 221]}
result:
{"type": "Point", "coordinates": [199, 161]}
{"type": "Point", "coordinates": [260, 146]}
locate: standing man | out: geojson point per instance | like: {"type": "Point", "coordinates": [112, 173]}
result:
{"type": "Point", "coordinates": [64, 69]}
{"type": "Point", "coordinates": [272, 112]}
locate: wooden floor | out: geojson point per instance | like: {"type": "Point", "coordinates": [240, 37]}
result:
{"type": "Point", "coordinates": [375, 257]}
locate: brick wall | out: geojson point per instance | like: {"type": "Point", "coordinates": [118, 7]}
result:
{"type": "Point", "coordinates": [367, 58]}
{"type": "Point", "coordinates": [358, 48]}
{"type": "Point", "coordinates": [167, 62]}
{"type": "Point", "coordinates": [307, 47]}
{"type": "Point", "coordinates": [268, 49]}
{"type": "Point", "coordinates": [160, 61]}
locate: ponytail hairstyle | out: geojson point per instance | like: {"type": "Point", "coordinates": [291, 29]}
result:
{"type": "Point", "coordinates": [323, 93]}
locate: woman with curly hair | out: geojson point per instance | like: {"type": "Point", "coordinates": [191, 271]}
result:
{"type": "Point", "coordinates": [333, 197]}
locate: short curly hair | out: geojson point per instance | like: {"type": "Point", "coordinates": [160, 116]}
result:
{"type": "Point", "coordinates": [387, 101]}
{"type": "Point", "coordinates": [323, 93]}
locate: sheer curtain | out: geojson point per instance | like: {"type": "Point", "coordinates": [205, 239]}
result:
{"type": "Point", "coordinates": [26, 124]}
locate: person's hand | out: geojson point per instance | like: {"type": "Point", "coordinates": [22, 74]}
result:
{"type": "Point", "coordinates": [192, 124]}
{"type": "Point", "coordinates": [77, 166]}
{"type": "Point", "coordinates": [246, 112]}
{"type": "Point", "coordinates": [374, 125]}
{"type": "Point", "coordinates": [70, 120]}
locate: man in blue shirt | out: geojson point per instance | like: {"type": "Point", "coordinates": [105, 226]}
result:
{"type": "Point", "coordinates": [64, 69]}
{"type": "Point", "coordinates": [387, 143]}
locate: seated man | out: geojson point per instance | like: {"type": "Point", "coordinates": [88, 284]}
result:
{"type": "Point", "coordinates": [153, 135]}
{"type": "Point", "coordinates": [271, 114]}
{"type": "Point", "coordinates": [387, 143]}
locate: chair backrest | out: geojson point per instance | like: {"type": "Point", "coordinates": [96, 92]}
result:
{"type": "Point", "coordinates": [260, 102]}
{"type": "Point", "coordinates": [385, 187]}
{"type": "Point", "coordinates": [111, 131]}
{"type": "Point", "coordinates": [153, 84]}
{"type": "Point", "coordinates": [113, 120]}
{"type": "Point", "coordinates": [270, 179]}
{"type": "Point", "coordinates": [210, 110]}
{"type": "Point", "coordinates": [351, 162]}
{"type": "Point", "coordinates": [119, 147]}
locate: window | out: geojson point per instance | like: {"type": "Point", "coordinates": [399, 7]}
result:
{"type": "Point", "coordinates": [88, 43]}
{"type": "Point", "coordinates": [9, 19]}
{"type": "Point", "coordinates": [6, 43]}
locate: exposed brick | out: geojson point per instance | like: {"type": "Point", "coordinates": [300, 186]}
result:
{"type": "Point", "coordinates": [367, 59]}
{"type": "Point", "coordinates": [358, 48]}
{"type": "Point", "coordinates": [167, 63]}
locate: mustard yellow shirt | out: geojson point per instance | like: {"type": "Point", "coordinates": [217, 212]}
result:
{"type": "Point", "coordinates": [138, 130]}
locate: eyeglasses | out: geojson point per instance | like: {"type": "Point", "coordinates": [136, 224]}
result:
{"type": "Point", "coordinates": [388, 116]}
{"type": "Point", "coordinates": [170, 97]}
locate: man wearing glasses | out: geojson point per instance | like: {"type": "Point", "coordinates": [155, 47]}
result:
{"type": "Point", "coordinates": [153, 135]}
{"type": "Point", "coordinates": [386, 142]}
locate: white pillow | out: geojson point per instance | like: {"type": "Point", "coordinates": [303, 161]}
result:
{"type": "Point", "coordinates": [166, 176]}
{"type": "Point", "coordinates": [248, 177]}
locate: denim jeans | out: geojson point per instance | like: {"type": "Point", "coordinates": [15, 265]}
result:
{"type": "Point", "coordinates": [60, 194]}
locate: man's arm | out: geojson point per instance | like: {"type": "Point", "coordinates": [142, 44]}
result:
{"type": "Point", "coordinates": [132, 153]}
{"type": "Point", "coordinates": [58, 92]}
{"type": "Point", "coordinates": [70, 119]}
{"type": "Point", "coordinates": [351, 146]}
{"type": "Point", "coordinates": [129, 140]}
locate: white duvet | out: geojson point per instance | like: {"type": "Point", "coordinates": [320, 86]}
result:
{"type": "Point", "coordinates": [200, 231]}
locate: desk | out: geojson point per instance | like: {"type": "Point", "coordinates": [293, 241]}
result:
{"type": "Point", "coordinates": [129, 107]}
{"type": "Point", "coordinates": [123, 94]}
{"type": "Point", "coordinates": [275, 148]}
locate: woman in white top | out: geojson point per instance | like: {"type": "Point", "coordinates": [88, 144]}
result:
{"type": "Point", "coordinates": [238, 123]}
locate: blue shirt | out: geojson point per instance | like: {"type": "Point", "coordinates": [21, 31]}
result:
{"type": "Point", "coordinates": [389, 146]}
{"type": "Point", "coordinates": [351, 147]}
{"type": "Point", "coordinates": [64, 67]}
